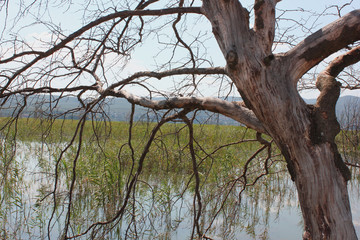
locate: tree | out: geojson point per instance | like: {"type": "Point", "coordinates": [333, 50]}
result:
{"type": "Point", "coordinates": [267, 82]}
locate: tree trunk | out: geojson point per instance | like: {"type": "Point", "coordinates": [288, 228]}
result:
{"type": "Point", "coordinates": [311, 154]}
{"type": "Point", "coordinates": [306, 137]}
{"type": "Point", "coordinates": [322, 192]}
{"type": "Point", "coordinates": [305, 134]}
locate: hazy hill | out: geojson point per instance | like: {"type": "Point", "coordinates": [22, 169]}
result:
{"type": "Point", "coordinates": [119, 109]}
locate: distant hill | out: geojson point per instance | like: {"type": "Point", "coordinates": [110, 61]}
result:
{"type": "Point", "coordinates": [342, 104]}
{"type": "Point", "coordinates": [117, 109]}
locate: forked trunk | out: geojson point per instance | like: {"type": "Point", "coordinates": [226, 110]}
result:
{"type": "Point", "coordinates": [305, 134]}
{"type": "Point", "coordinates": [306, 137]}
{"type": "Point", "coordinates": [313, 162]}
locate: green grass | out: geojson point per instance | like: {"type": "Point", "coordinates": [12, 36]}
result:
{"type": "Point", "coordinates": [108, 157]}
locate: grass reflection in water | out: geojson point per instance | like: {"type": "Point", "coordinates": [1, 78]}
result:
{"type": "Point", "coordinates": [163, 202]}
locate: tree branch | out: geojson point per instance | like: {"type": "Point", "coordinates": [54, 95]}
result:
{"type": "Point", "coordinates": [323, 43]}
{"type": "Point", "coordinates": [49, 90]}
{"type": "Point", "coordinates": [17, 55]}
{"type": "Point", "coordinates": [172, 72]}
{"type": "Point", "coordinates": [325, 125]}
{"type": "Point", "coordinates": [122, 14]}
{"type": "Point", "coordinates": [343, 61]}
{"type": "Point", "coordinates": [324, 109]}
{"type": "Point", "coordinates": [265, 22]}
{"type": "Point", "coordinates": [328, 86]}
{"type": "Point", "coordinates": [230, 109]}
{"type": "Point", "coordinates": [230, 21]}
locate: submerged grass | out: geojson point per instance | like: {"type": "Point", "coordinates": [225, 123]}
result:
{"type": "Point", "coordinates": [108, 158]}
{"type": "Point", "coordinates": [110, 141]}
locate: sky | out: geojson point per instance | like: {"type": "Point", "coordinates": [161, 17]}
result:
{"type": "Point", "coordinates": [305, 8]}
{"type": "Point", "coordinates": [143, 57]}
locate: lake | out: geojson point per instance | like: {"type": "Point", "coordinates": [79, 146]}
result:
{"type": "Point", "coordinates": [164, 202]}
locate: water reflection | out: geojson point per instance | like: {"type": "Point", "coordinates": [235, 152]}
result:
{"type": "Point", "coordinates": [161, 207]}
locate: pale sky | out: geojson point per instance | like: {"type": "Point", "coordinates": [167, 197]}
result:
{"type": "Point", "coordinates": [143, 58]}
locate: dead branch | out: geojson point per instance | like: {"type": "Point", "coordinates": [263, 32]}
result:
{"type": "Point", "coordinates": [323, 43]}
{"type": "Point", "coordinates": [230, 109]}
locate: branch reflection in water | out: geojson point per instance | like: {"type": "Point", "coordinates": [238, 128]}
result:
{"type": "Point", "coordinates": [162, 201]}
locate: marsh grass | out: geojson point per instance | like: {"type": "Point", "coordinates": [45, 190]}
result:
{"type": "Point", "coordinates": [162, 200]}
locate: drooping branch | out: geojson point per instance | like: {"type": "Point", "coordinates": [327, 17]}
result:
{"type": "Point", "coordinates": [323, 43]}
{"type": "Point", "coordinates": [131, 184]}
{"type": "Point", "coordinates": [233, 110]}
{"type": "Point", "coordinates": [178, 37]}
{"type": "Point", "coordinates": [197, 197]}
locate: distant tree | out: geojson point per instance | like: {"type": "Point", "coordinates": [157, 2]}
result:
{"type": "Point", "coordinates": [88, 63]}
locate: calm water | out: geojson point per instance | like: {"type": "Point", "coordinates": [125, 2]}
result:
{"type": "Point", "coordinates": [163, 209]}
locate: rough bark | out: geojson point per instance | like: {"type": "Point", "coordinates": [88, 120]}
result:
{"type": "Point", "coordinates": [267, 83]}
{"type": "Point", "coordinates": [323, 43]}
{"type": "Point", "coordinates": [305, 135]}
{"type": "Point", "coordinates": [233, 110]}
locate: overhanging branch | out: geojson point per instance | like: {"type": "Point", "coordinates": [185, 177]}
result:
{"type": "Point", "coordinates": [323, 43]}
{"type": "Point", "coordinates": [230, 109]}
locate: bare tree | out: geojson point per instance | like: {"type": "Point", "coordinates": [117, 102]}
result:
{"type": "Point", "coordinates": [89, 61]}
